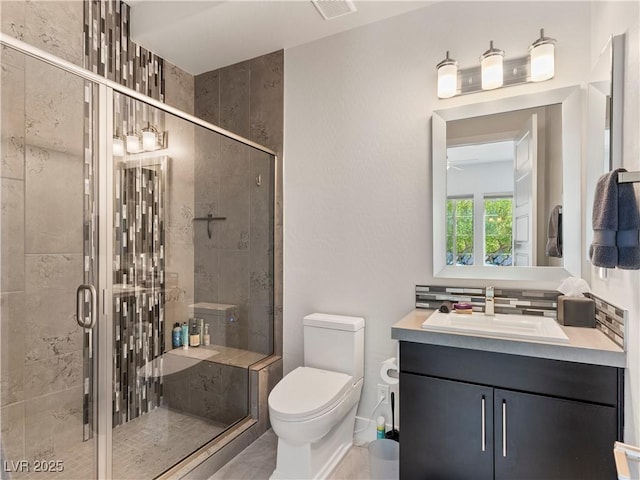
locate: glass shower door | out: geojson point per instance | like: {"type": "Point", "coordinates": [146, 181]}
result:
{"type": "Point", "coordinates": [192, 246]}
{"type": "Point", "coordinates": [48, 272]}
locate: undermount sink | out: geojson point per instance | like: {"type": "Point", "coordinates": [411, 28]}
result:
{"type": "Point", "coordinates": [501, 325]}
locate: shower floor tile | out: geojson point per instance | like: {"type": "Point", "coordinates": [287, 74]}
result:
{"type": "Point", "coordinates": [142, 448]}
{"type": "Point", "coordinates": [150, 444]}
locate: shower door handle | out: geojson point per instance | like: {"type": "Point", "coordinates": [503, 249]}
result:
{"type": "Point", "coordinates": [80, 296]}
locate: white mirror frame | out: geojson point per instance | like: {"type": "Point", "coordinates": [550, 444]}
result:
{"type": "Point", "coordinates": [613, 56]}
{"type": "Point", "coordinates": [570, 98]}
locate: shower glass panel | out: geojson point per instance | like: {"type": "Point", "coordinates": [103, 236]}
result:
{"type": "Point", "coordinates": [192, 252]}
{"type": "Point", "coordinates": [48, 250]}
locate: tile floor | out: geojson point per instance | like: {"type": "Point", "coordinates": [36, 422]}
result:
{"type": "Point", "coordinates": [258, 460]}
{"type": "Point", "coordinates": [142, 448]}
{"type": "Point", "coordinates": [152, 443]}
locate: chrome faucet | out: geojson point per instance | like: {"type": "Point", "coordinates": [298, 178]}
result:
{"type": "Point", "coordinates": [489, 301]}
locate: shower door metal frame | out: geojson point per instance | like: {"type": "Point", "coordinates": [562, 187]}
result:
{"type": "Point", "coordinates": [103, 371]}
{"type": "Point", "coordinates": [105, 331]}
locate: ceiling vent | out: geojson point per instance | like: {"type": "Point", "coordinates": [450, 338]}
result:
{"type": "Point", "coordinates": [330, 9]}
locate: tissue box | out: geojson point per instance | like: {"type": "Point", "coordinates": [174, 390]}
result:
{"type": "Point", "coordinates": [576, 312]}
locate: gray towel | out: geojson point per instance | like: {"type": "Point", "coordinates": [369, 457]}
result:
{"type": "Point", "coordinates": [554, 233]}
{"type": "Point", "coordinates": [603, 251]}
{"type": "Point", "coordinates": [628, 235]}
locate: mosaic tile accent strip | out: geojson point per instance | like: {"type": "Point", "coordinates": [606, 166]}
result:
{"type": "Point", "coordinates": [90, 235]}
{"type": "Point", "coordinates": [513, 301]}
{"type": "Point", "coordinates": [139, 302]}
{"type": "Point", "coordinates": [109, 51]}
{"type": "Point", "coordinates": [610, 320]}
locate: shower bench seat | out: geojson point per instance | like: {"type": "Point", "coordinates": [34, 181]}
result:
{"type": "Point", "coordinates": [210, 382]}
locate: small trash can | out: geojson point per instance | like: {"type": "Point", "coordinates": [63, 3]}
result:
{"type": "Point", "coordinates": [384, 459]}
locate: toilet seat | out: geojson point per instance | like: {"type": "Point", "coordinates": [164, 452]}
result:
{"type": "Point", "coordinates": [307, 393]}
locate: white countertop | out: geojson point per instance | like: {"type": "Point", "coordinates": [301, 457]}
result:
{"type": "Point", "coordinates": [586, 345]}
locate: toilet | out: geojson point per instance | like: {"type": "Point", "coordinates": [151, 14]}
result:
{"type": "Point", "coordinates": [313, 408]}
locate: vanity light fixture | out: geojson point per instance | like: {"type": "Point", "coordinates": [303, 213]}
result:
{"type": "Point", "coordinates": [133, 143]}
{"type": "Point", "coordinates": [118, 147]}
{"type": "Point", "coordinates": [491, 63]}
{"type": "Point", "coordinates": [542, 53]}
{"type": "Point", "coordinates": [150, 137]}
{"type": "Point", "coordinates": [447, 77]}
{"type": "Point", "coordinates": [496, 71]}
{"type": "Point", "coordinates": [148, 140]}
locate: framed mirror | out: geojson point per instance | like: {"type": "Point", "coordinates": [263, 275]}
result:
{"type": "Point", "coordinates": [604, 120]}
{"type": "Point", "coordinates": [499, 170]}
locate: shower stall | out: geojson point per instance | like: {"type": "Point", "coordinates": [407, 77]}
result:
{"type": "Point", "coordinates": [127, 229]}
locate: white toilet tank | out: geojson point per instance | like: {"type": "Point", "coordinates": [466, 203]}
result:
{"type": "Point", "coordinates": [334, 343]}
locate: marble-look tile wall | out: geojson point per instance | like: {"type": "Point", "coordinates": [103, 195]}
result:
{"type": "Point", "coordinates": [42, 223]}
{"type": "Point", "coordinates": [53, 26]}
{"type": "Point", "coordinates": [179, 212]}
{"type": "Point", "coordinates": [242, 264]}
{"type": "Point", "coordinates": [217, 392]}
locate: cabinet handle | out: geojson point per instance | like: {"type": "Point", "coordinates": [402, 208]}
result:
{"type": "Point", "coordinates": [504, 428]}
{"type": "Point", "coordinates": [484, 430]}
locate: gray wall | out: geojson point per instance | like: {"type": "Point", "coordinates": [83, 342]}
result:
{"type": "Point", "coordinates": [42, 232]}
{"type": "Point", "coordinates": [248, 99]}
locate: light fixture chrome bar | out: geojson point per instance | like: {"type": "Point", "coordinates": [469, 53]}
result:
{"type": "Point", "coordinates": [516, 72]}
{"type": "Point", "coordinates": [34, 52]}
{"type": "Point", "coordinates": [496, 72]}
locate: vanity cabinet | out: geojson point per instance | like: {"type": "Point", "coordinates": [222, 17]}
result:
{"type": "Point", "coordinates": [484, 415]}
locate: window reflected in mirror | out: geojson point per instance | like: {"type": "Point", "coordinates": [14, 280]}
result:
{"type": "Point", "coordinates": [460, 231]}
{"type": "Point", "coordinates": [498, 231]}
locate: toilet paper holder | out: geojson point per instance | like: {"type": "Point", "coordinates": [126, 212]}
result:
{"type": "Point", "coordinates": [389, 365]}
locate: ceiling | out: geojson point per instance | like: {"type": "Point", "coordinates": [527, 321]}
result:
{"type": "Point", "coordinates": [200, 36]}
{"type": "Point", "coordinates": [491, 152]}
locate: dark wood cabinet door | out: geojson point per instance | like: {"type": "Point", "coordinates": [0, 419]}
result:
{"type": "Point", "coordinates": [443, 433]}
{"type": "Point", "coordinates": [539, 437]}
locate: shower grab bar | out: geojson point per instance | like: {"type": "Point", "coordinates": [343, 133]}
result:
{"type": "Point", "coordinates": [80, 298]}
{"type": "Point", "coordinates": [209, 218]}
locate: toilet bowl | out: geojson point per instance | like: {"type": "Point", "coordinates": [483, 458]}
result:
{"type": "Point", "coordinates": [312, 409]}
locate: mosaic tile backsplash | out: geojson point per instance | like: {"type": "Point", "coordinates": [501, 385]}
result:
{"type": "Point", "coordinates": [610, 319]}
{"type": "Point", "coordinates": [513, 301]}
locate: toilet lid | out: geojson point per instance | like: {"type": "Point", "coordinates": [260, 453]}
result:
{"type": "Point", "coordinates": [307, 391]}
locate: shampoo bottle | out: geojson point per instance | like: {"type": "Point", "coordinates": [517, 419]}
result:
{"type": "Point", "coordinates": [195, 336]}
{"type": "Point", "coordinates": [206, 336]}
{"type": "Point", "coordinates": [176, 336]}
{"type": "Point", "coordinates": [185, 336]}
